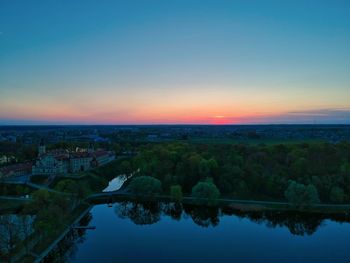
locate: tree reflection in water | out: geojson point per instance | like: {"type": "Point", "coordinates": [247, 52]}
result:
{"type": "Point", "coordinates": [151, 212]}
{"type": "Point", "coordinates": [203, 216]}
{"type": "Point", "coordinates": [297, 223]}
{"type": "Point", "coordinates": [139, 213]}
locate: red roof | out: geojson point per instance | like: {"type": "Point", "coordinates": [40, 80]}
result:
{"type": "Point", "coordinates": [100, 153]}
{"type": "Point", "coordinates": [80, 155]}
{"type": "Point", "coordinates": [20, 167]}
{"type": "Point", "coordinates": [65, 155]}
{"type": "Point", "coordinates": [57, 153]}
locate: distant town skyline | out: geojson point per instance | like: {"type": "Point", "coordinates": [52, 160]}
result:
{"type": "Point", "coordinates": [175, 62]}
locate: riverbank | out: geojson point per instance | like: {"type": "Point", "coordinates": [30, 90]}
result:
{"type": "Point", "coordinates": [81, 212]}
{"type": "Point", "coordinates": [150, 232]}
{"type": "Point", "coordinates": [241, 205]}
{"type": "Point", "coordinates": [39, 249]}
{"type": "Point", "coordinates": [11, 204]}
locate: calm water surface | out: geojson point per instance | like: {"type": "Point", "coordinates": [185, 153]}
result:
{"type": "Point", "coordinates": [158, 232]}
{"type": "Point", "coordinates": [116, 183]}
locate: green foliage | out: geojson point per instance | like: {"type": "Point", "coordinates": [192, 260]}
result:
{"type": "Point", "coordinates": [337, 194]}
{"type": "Point", "coordinates": [41, 199]}
{"type": "Point", "coordinates": [20, 151]}
{"type": "Point", "coordinates": [176, 192]}
{"type": "Point", "coordinates": [299, 195]}
{"type": "Point", "coordinates": [79, 188]}
{"type": "Point", "coordinates": [19, 189]}
{"type": "Point", "coordinates": [12, 189]}
{"type": "Point", "coordinates": [51, 210]}
{"type": "Point", "coordinates": [67, 186]}
{"type": "Point", "coordinates": [109, 171]}
{"type": "Point", "coordinates": [49, 219]}
{"type": "Point", "coordinates": [230, 179]}
{"type": "Point", "coordinates": [207, 190]}
{"type": "Point", "coordinates": [126, 167]}
{"type": "Point", "coordinates": [203, 168]}
{"type": "Point", "coordinates": [249, 171]}
{"type": "Point", "coordinates": [145, 185]}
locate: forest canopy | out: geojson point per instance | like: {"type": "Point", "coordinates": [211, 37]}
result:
{"type": "Point", "coordinates": [321, 171]}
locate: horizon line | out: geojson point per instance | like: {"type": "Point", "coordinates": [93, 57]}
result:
{"type": "Point", "coordinates": [181, 124]}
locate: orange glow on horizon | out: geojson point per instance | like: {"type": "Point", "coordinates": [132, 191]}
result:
{"type": "Point", "coordinates": [167, 112]}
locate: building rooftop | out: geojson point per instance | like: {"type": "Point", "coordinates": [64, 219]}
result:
{"type": "Point", "coordinates": [16, 168]}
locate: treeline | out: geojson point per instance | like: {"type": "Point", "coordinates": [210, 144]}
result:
{"type": "Point", "coordinates": [20, 151]}
{"type": "Point", "coordinates": [300, 173]}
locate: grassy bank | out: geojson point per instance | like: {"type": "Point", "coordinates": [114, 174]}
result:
{"type": "Point", "coordinates": [46, 244]}
{"type": "Point", "coordinates": [7, 206]}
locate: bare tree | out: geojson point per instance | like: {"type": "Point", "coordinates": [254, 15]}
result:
{"type": "Point", "coordinates": [25, 230]}
{"type": "Point", "coordinates": [9, 236]}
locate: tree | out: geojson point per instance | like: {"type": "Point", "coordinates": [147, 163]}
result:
{"type": "Point", "coordinates": [203, 168]}
{"type": "Point", "coordinates": [10, 236]}
{"type": "Point", "coordinates": [78, 190]}
{"type": "Point", "coordinates": [116, 148]}
{"type": "Point", "coordinates": [294, 193]}
{"type": "Point", "coordinates": [41, 199]}
{"type": "Point", "coordinates": [67, 186]}
{"type": "Point", "coordinates": [337, 195]}
{"type": "Point", "coordinates": [298, 194]}
{"type": "Point", "coordinates": [139, 213]}
{"type": "Point", "coordinates": [311, 195]}
{"type": "Point", "coordinates": [25, 229]}
{"type": "Point", "coordinates": [19, 189]}
{"type": "Point", "coordinates": [126, 168]}
{"type": "Point", "coordinates": [145, 185]}
{"type": "Point", "coordinates": [206, 190]}
{"type": "Point", "coordinates": [228, 179]}
{"type": "Point", "coordinates": [176, 192]}
{"type": "Point", "coordinates": [48, 221]}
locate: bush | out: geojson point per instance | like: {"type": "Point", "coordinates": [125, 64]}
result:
{"type": "Point", "coordinates": [207, 190]}
{"type": "Point", "coordinates": [145, 185]}
{"type": "Point", "coordinates": [67, 186]}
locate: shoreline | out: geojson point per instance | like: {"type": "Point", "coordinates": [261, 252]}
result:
{"type": "Point", "coordinates": [241, 205]}
{"type": "Point", "coordinates": [47, 251]}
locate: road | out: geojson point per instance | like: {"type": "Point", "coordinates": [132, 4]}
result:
{"type": "Point", "coordinates": [12, 198]}
{"type": "Point", "coordinates": [36, 186]}
{"type": "Point", "coordinates": [17, 179]}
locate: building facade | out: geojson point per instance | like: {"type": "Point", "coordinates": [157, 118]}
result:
{"type": "Point", "coordinates": [16, 170]}
{"type": "Point", "coordinates": [63, 161]}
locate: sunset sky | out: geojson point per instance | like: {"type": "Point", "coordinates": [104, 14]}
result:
{"type": "Point", "coordinates": [174, 62]}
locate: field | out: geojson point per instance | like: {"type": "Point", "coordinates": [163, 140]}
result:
{"type": "Point", "coordinates": [251, 141]}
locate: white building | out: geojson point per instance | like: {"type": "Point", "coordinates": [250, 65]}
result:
{"type": "Point", "coordinates": [49, 164]}
{"type": "Point", "coordinates": [63, 161]}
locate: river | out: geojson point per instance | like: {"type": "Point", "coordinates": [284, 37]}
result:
{"type": "Point", "coordinates": [166, 232]}
{"type": "Point", "coordinates": [116, 183]}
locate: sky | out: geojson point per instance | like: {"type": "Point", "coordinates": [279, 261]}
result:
{"type": "Point", "coordinates": [174, 62]}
